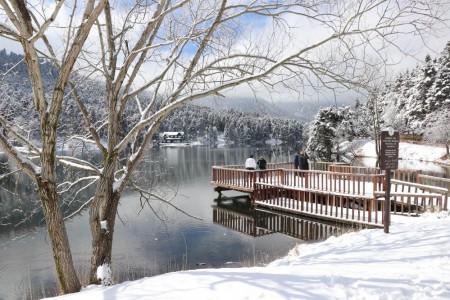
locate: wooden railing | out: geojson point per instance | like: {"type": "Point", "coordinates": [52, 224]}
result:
{"type": "Point", "coordinates": [318, 180]}
{"type": "Point", "coordinates": [320, 166]}
{"type": "Point", "coordinates": [353, 169]}
{"type": "Point", "coordinates": [234, 177]}
{"type": "Point", "coordinates": [410, 196]}
{"type": "Point", "coordinates": [436, 181]}
{"type": "Point", "coordinates": [363, 209]}
{"type": "Point", "coordinates": [348, 183]}
{"type": "Point", "coordinates": [400, 174]}
{"type": "Point", "coordinates": [357, 186]}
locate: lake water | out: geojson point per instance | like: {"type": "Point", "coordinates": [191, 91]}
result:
{"type": "Point", "coordinates": [146, 244]}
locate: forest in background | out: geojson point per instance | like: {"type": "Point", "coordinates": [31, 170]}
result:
{"type": "Point", "coordinates": [417, 104]}
{"type": "Point", "coordinates": [198, 122]}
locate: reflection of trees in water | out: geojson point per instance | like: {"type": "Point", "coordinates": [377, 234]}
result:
{"type": "Point", "coordinates": [19, 201]}
{"type": "Point", "coordinates": [163, 168]}
{"type": "Point", "coordinates": [196, 162]}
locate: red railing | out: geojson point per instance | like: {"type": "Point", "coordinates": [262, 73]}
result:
{"type": "Point", "coordinates": [417, 198]}
{"type": "Point", "coordinates": [436, 181]}
{"type": "Point", "coordinates": [400, 174]}
{"type": "Point", "coordinates": [363, 209]}
{"type": "Point", "coordinates": [234, 177]}
{"type": "Point", "coordinates": [356, 185]}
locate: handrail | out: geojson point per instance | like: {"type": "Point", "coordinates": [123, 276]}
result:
{"type": "Point", "coordinates": [435, 178]}
{"type": "Point", "coordinates": [408, 195]}
{"type": "Point", "coordinates": [343, 207]}
{"type": "Point", "coordinates": [441, 191]}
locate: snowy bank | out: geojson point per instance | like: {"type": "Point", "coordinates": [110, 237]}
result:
{"type": "Point", "coordinates": [411, 262]}
{"type": "Point", "coordinates": [407, 151]}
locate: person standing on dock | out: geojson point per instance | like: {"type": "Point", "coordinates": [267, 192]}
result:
{"type": "Point", "coordinates": [250, 163]}
{"type": "Point", "coordinates": [261, 163]}
{"type": "Point", "coordinates": [297, 160]}
{"type": "Point", "coordinates": [303, 161]}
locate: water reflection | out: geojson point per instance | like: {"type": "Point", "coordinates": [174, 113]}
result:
{"type": "Point", "coordinates": [236, 213]}
{"type": "Point", "coordinates": [144, 244]}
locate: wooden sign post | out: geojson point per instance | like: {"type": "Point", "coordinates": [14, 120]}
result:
{"type": "Point", "coordinates": [390, 140]}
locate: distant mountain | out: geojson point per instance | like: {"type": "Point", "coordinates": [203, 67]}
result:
{"type": "Point", "coordinates": [246, 105]}
{"type": "Point", "coordinates": [295, 109]}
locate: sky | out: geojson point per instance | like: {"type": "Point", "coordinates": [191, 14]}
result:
{"type": "Point", "coordinates": [302, 33]}
{"type": "Point", "coordinates": [412, 261]}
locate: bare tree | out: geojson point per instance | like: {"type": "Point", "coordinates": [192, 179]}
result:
{"type": "Point", "coordinates": [26, 25]}
{"type": "Point", "coordinates": [186, 50]}
{"type": "Point", "coordinates": [373, 121]}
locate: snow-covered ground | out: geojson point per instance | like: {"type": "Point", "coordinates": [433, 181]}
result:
{"type": "Point", "coordinates": [411, 262]}
{"type": "Point", "coordinates": [407, 151]}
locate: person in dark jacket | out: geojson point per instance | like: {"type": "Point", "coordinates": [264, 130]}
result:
{"type": "Point", "coordinates": [303, 161]}
{"type": "Point", "coordinates": [261, 163]}
{"type": "Point", "coordinates": [297, 160]}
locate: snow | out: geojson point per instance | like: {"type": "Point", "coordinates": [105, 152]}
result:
{"type": "Point", "coordinates": [104, 225]}
{"type": "Point", "coordinates": [117, 184]}
{"type": "Point", "coordinates": [407, 151]}
{"type": "Point", "coordinates": [273, 142]}
{"type": "Point", "coordinates": [104, 274]}
{"type": "Point", "coordinates": [410, 262]}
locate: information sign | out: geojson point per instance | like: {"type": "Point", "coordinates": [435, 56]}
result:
{"type": "Point", "coordinates": [390, 140]}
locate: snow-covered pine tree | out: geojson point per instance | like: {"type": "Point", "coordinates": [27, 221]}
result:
{"type": "Point", "coordinates": [331, 127]}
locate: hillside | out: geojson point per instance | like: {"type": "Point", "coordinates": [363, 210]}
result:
{"type": "Point", "coordinates": [242, 121]}
{"type": "Point", "coordinates": [418, 97]}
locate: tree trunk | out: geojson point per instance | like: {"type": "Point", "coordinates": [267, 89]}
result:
{"type": "Point", "coordinates": [62, 256]}
{"type": "Point", "coordinates": [102, 218]}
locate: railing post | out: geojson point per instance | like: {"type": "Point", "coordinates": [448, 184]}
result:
{"type": "Point", "coordinates": [306, 176]}
{"type": "Point", "coordinates": [253, 180]}
{"type": "Point", "coordinates": [418, 179]}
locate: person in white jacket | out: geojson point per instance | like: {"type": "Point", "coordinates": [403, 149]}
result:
{"type": "Point", "coordinates": [250, 163]}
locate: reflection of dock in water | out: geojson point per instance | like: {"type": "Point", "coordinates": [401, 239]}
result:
{"type": "Point", "coordinates": [241, 216]}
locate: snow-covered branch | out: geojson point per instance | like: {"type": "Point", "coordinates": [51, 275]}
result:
{"type": "Point", "coordinates": [78, 164]}
{"type": "Point", "coordinates": [67, 185]}
{"type": "Point", "coordinates": [20, 160]}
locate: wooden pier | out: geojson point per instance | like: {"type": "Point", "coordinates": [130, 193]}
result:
{"type": "Point", "coordinates": [335, 192]}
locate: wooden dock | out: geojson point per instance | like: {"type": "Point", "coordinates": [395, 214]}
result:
{"type": "Point", "coordinates": [335, 192]}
